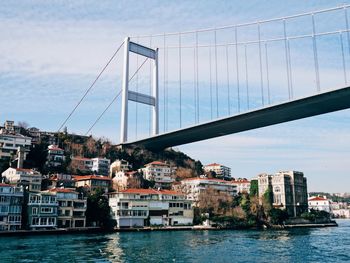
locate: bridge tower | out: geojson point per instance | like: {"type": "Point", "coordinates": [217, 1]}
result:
{"type": "Point", "coordinates": [151, 100]}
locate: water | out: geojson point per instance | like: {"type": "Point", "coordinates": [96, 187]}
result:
{"type": "Point", "coordinates": [297, 245]}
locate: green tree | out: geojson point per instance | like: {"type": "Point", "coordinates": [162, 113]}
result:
{"type": "Point", "coordinates": [254, 188]}
{"type": "Point", "coordinates": [278, 216]}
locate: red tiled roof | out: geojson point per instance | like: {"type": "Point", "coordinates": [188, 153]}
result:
{"type": "Point", "coordinates": [55, 149]}
{"type": "Point", "coordinates": [157, 163]}
{"type": "Point", "coordinates": [81, 158]}
{"type": "Point", "coordinates": [4, 185]}
{"type": "Point", "coordinates": [205, 179]}
{"type": "Point", "coordinates": [91, 177]}
{"type": "Point", "coordinates": [23, 170]}
{"type": "Point", "coordinates": [240, 182]}
{"type": "Point", "coordinates": [62, 190]}
{"type": "Point", "coordinates": [149, 191]}
{"type": "Point", "coordinates": [213, 164]}
{"type": "Point", "coordinates": [318, 198]}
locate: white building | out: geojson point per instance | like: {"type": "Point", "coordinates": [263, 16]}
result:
{"type": "Point", "coordinates": [243, 185]}
{"type": "Point", "coordinates": [11, 199]}
{"type": "Point", "coordinates": [55, 156]}
{"type": "Point", "coordinates": [28, 178]}
{"type": "Point", "coordinates": [160, 173]}
{"type": "Point", "coordinates": [119, 166]}
{"type": "Point", "coordinates": [219, 169]}
{"type": "Point", "coordinates": [9, 144]}
{"type": "Point", "coordinates": [192, 187]}
{"type": "Point", "coordinates": [124, 180]}
{"type": "Point", "coordinates": [100, 166]}
{"type": "Point", "coordinates": [320, 203]}
{"type": "Point", "coordinates": [147, 207]}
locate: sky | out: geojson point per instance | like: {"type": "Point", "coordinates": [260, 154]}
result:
{"type": "Point", "coordinates": [51, 51]}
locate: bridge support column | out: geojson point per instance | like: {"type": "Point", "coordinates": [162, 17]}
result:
{"type": "Point", "coordinates": [125, 93]}
{"type": "Point", "coordinates": [155, 119]}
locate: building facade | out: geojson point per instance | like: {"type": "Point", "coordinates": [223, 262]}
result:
{"type": "Point", "coordinates": [242, 185]}
{"type": "Point", "coordinates": [81, 164]}
{"type": "Point", "coordinates": [119, 166]}
{"type": "Point", "coordinates": [219, 169]}
{"type": "Point", "coordinates": [11, 200]}
{"type": "Point", "coordinates": [55, 156]}
{"type": "Point", "coordinates": [93, 182]}
{"type": "Point", "coordinates": [147, 207]}
{"type": "Point", "coordinates": [28, 178]}
{"type": "Point", "coordinates": [160, 173]}
{"type": "Point", "coordinates": [42, 210]}
{"type": "Point", "coordinates": [9, 144]}
{"type": "Point", "coordinates": [125, 180]}
{"type": "Point", "coordinates": [101, 166]}
{"type": "Point", "coordinates": [320, 203]}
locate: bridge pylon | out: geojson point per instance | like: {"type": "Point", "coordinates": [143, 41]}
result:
{"type": "Point", "coordinates": [151, 100]}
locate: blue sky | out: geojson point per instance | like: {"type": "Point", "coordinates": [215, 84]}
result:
{"type": "Point", "coordinates": [51, 51]}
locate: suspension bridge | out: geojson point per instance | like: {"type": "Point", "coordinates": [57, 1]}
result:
{"type": "Point", "coordinates": [196, 85]}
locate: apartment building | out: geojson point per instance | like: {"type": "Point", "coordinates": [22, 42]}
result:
{"type": "Point", "coordinates": [159, 172]}
{"type": "Point", "coordinates": [9, 144]}
{"type": "Point", "coordinates": [93, 182]}
{"type": "Point", "coordinates": [320, 203]}
{"type": "Point", "coordinates": [11, 200]}
{"type": "Point", "coordinates": [42, 210]}
{"type": "Point", "coordinates": [242, 185]}
{"type": "Point", "coordinates": [28, 178]}
{"type": "Point", "coordinates": [124, 180]}
{"type": "Point", "coordinates": [81, 164]}
{"type": "Point", "coordinates": [219, 169]}
{"type": "Point", "coordinates": [146, 207]}
{"type": "Point", "coordinates": [119, 166]}
{"type": "Point", "coordinates": [55, 156]}
{"type": "Point", "coordinates": [71, 208]}
{"type": "Point", "coordinates": [101, 166]}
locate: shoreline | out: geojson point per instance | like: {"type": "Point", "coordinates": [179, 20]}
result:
{"type": "Point", "coordinates": [97, 230]}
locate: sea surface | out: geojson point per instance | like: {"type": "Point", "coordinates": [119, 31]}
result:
{"type": "Point", "coordinates": [297, 245]}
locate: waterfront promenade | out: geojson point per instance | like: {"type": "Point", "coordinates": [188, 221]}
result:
{"type": "Point", "coordinates": [295, 245]}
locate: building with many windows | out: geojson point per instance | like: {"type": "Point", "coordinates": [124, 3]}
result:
{"type": "Point", "coordinates": [93, 182]}
{"type": "Point", "coordinates": [146, 207]}
{"type": "Point", "coordinates": [9, 144]}
{"type": "Point", "coordinates": [243, 185]}
{"type": "Point", "coordinates": [289, 190]}
{"type": "Point", "coordinates": [55, 156]}
{"type": "Point", "coordinates": [160, 173]}
{"type": "Point", "coordinates": [11, 199]}
{"type": "Point", "coordinates": [219, 169]}
{"type": "Point", "coordinates": [119, 166]}
{"type": "Point", "coordinates": [81, 164]}
{"type": "Point", "coordinates": [320, 203]}
{"type": "Point", "coordinates": [71, 208]}
{"type": "Point", "coordinates": [28, 178]}
{"type": "Point", "coordinates": [42, 210]}
{"type": "Point", "coordinates": [100, 166]}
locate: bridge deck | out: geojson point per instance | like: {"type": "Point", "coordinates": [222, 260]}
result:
{"type": "Point", "coordinates": [288, 111]}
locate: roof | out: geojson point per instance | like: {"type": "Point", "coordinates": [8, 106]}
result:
{"type": "Point", "coordinates": [81, 158]}
{"type": "Point", "coordinates": [149, 191]}
{"type": "Point", "coordinates": [157, 163]}
{"type": "Point", "coordinates": [55, 149]}
{"type": "Point", "coordinates": [318, 198]}
{"type": "Point", "coordinates": [24, 170]}
{"type": "Point", "coordinates": [240, 182]}
{"type": "Point", "coordinates": [91, 177]}
{"type": "Point", "coordinates": [5, 185]}
{"type": "Point", "coordinates": [213, 164]}
{"type": "Point", "coordinates": [62, 190]}
{"type": "Point", "coordinates": [205, 179]}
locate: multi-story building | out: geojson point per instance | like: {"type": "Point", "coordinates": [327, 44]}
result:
{"type": "Point", "coordinates": [193, 187]}
{"type": "Point", "coordinates": [289, 189]}
{"type": "Point", "coordinates": [11, 199]}
{"type": "Point", "coordinates": [160, 173]}
{"type": "Point", "coordinates": [81, 164]}
{"type": "Point", "coordinates": [320, 203]}
{"type": "Point", "coordinates": [42, 210]}
{"type": "Point", "coordinates": [219, 169]}
{"type": "Point", "coordinates": [55, 156]}
{"type": "Point", "coordinates": [243, 185]}
{"type": "Point", "coordinates": [58, 181]}
{"type": "Point", "coordinates": [119, 166]}
{"type": "Point", "coordinates": [9, 144]}
{"type": "Point", "coordinates": [124, 180]}
{"type": "Point", "coordinates": [93, 182]}
{"type": "Point", "coordinates": [71, 208]}
{"type": "Point", "coordinates": [100, 166]}
{"type": "Point", "coordinates": [145, 207]}
{"type": "Point", "coordinates": [28, 178]}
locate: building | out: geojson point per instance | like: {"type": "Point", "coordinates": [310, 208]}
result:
{"type": "Point", "coordinates": [42, 210]}
{"type": "Point", "coordinates": [100, 166]}
{"type": "Point", "coordinates": [11, 199]}
{"type": "Point", "coordinates": [242, 185]}
{"type": "Point", "coordinates": [58, 181]}
{"type": "Point", "coordinates": [28, 178]}
{"type": "Point", "coordinates": [93, 182]}
{"type": "Point", "coordinates": [193, 187]}
{"type": "Point", "coordinates": [160, 173]}
{"type": "Point", "coordinates": [9, 144]}
{"type": "Point", "coordinates": [125, 180]}
{"type": "Point", "coordinates": [219, 169]}
{"type": "Point", "coordinates": [55, 156]}
{"type": "Point", "coordinates": [81, 164]}
{"type": "Point", "coordinates": [119, 166]}
{"type": "Point", "coordinates": [71, 208]}
{"type": "Point", "coordinates": [289, 189]}
{"type": "Point", "coordinates": [320, 203]}
{"type": "Point", "coordinates": [146, 207]}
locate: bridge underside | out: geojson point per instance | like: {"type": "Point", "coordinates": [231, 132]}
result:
{"type": "Point", "coordinates": [302, 108]}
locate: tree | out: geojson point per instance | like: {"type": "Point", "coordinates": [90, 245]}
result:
{"type": "Point", "coordinates": [254, 188]}
{"type": "Point", "coordinates": [278, 216]}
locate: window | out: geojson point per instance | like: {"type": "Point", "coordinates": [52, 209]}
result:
{"type": "Point", "coordinates": [46, 210]}
{"type": "Point", "coordinates": [34, 211]}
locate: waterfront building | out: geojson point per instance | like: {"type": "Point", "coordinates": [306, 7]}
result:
{"type": "Point", "coordinates": [100, 166]}
{"type": "Point", "coordinates": [289, 189]}
{"type": "Point", "coordinates": [145, 207]}
{"type": "Point", "coordinates": [55, 156]}
{"type": "Point", "coordinates": [119, 166]}
{"type": "Point", "coordinates": [341, 213]}
{"type": "Point", "coordinates": [28, 178]}
{"type": "Point", "coordinates": [242, 185]}
{"type": "Point", "coordinates": [93, 182]}
{"type": "Point", "coordinates": [219, 169]}
{"type": "Point", "coordinates": [71, 208]}
{"type": "Point", "coordinates": [81, 164]}
{"type": "Point", "coordinates": [193, 187]}
{"type": "Point", "coordinates": [42, 210]}
{"type": "Point", "coordinates": [11, 200]}
{"type": "Point", "coordinates": [125, 180]}
{"type": "Point", "coordinates": [58, 180]}
{"type": "Point", "coordinates": [160, 173]}
{"type": "Point", "coordinates": [9, 144]}
{"type": "Point", "coordinates": [320, 203]}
